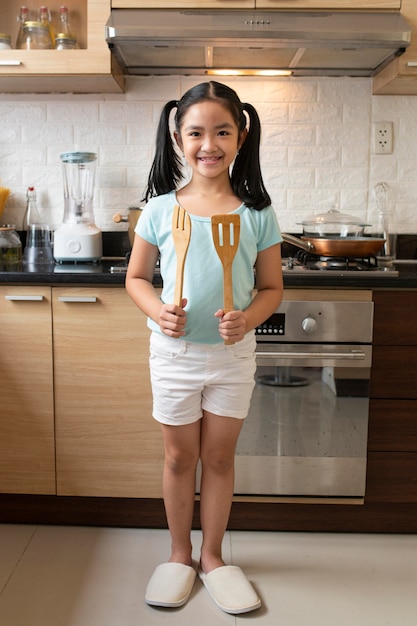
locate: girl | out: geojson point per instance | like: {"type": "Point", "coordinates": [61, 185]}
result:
{"type": "Point", "coordinates": [202, 387]}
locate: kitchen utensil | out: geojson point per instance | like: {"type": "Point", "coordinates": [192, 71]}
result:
{"type": "Point", "coordinates": [78, 238]}
{"type": "Point", "coordinates": [226, 232]}
{"type": "Point", "coordinates": [333, 223]}
{"type": "Point", "coordinates": [4, 194]}
{"type": "Point", "coordinates": [181, 233]}
{"type": "Point", "coordinates": [132, 219]}
{"type": "Point", "coordinates": [339, 247]}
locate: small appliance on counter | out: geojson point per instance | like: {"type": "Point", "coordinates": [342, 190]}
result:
{"type": "Point", "coordinates": [78, 238]}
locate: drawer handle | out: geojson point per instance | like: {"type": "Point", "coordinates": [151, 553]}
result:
{"type": "Point", "coordinates": [24, 298]}
{"type": "Point", "coordinates": [77, 299]}
{"type": "Point", "coordinates": [11, 62]}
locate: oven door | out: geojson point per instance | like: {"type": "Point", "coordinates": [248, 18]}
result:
{"type": "Point", "coordinates": [306, 432]}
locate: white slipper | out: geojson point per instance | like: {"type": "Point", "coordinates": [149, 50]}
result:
{"type": "Point", "coordinates": [170, 585]}
{"type": "Point", "coordinates": [230, 589]}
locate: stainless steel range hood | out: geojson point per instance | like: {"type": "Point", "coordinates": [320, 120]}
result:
{"type": "Point", "coordinates": [315, 43]}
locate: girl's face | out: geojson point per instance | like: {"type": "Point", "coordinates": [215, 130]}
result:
{"type": "Point", "coordinates": [209, 139]}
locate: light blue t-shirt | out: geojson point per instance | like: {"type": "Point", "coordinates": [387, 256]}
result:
{"type": "Point", "coordinates": [203, 272]}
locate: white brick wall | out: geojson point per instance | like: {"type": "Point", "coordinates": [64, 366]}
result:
{"type": "Point", "coordinates": [316, 146]}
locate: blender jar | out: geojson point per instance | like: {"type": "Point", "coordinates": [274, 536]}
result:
{"type": "Point", "coordinates": [78, 238]}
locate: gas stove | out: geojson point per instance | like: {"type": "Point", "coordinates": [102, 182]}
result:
{"type": "Point", "coordinates": [305, 262]}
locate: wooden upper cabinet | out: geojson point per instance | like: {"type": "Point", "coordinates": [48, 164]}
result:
{"type": "Point", "coordinates": [329, 4]}
{"type": "Point", "coordinates": [183, 4]}
{"type": "Point", "coordinates": [400, 77]}
{"type": "Point", "coordinates": [91, 69]}
{"type": "Point", "coordinates": [259, 4]}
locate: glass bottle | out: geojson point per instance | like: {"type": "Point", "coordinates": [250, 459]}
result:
{"type": "Point", "coordinates": [64, 21]}
{"type": "Point", "coordinates": [384, 223]}
{"type": "Point", "coordinates": [46, 21]}
{"type": "Point", "coordinates": [22, 18]}
{"type": "Point", "coordinates": [65, 40]}
{"type": "Point", "coordinates": [31, 214]}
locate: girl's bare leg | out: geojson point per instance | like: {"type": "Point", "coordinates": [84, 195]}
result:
{"type": "Point", "coordinates": [218, 444]}
{"type": "Point", "coordinates": [182, 450]}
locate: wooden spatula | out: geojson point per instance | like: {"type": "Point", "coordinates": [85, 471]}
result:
{"type": "Point", "coordinates": [226, 231]}
{"type": "Point", "coordinates": [181, 233]}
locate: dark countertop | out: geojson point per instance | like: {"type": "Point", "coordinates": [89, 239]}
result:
{"type": "Point", "coordinates": [68, 274]}
{"type": "Point", "coordinates": [100, 274]}
{"type": "Point", "coordinates": [116, 246]}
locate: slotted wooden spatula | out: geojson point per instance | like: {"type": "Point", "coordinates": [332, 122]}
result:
{"type": "Point", "coordinates": [226, 232]}
{"type": "Point", "coordinates": [181, 233]}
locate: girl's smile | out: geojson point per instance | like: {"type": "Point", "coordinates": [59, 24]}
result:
{"type": "Point", "coordinates": [209, 159]}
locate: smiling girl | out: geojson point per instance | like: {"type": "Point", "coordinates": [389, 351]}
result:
{"type": "Point", "coordinates": [202, 387]}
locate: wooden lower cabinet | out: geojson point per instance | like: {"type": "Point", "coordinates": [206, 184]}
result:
{"type": "Point", "coordinates": [27, 449]}
{"type": "Point", "coordinates": [109, 453]}
{"type": "Point", "coordinates": [392, 425]}
{"type": "Point", "coordinates": [391, 478]}
{"type": "Point", "coordinates": [392, 437]}
{"type": "Point", "coordinates": [394, 372]}
{"type": "Point", "coordinates": [107, 443]}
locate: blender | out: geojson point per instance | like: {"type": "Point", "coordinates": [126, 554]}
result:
{"type": "Point", "coordinates": [78, 238]}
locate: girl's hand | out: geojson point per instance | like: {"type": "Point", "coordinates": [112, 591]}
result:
{"type": "Point", "coordinates": [232, 325]}
{"type": "Point", "coordinates": [172, 319]}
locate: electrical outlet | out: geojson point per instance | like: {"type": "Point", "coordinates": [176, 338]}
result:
{"type": "Point", "coordinates": [383, 138]}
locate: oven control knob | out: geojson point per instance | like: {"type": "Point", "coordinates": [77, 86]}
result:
{"type": "Point", "coordinates": [309, 325]}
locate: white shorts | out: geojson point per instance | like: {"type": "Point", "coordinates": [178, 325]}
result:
{"type": "Point", "coordinates": [188, 378]}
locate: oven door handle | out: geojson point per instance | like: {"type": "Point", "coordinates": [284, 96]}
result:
{"type": "Point", "coordinates": [354, 355]}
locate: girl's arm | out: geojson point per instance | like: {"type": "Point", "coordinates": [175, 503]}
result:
{"type": "Point", "coordinates": [269, 285]}
{"type": "Point", "coordinates": [139, 279]}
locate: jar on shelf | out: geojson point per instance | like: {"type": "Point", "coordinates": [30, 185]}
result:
{"type": "Point", "coordinates": [65, 42]}
{"type": "Point", "coordinates": [10, 248]}
{"type": "Point", "coordinates": [35, 36]}
{"type": "Point", "coordinates": [5, 42]}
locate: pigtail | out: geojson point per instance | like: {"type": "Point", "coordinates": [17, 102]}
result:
{"type": "Point", "coordinates": [246, 176]}
{"type": "Point", "coordinates": [165, 173]}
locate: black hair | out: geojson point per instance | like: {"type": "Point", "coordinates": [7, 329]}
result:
{"type": "Point", "coordinates": [245, 178]}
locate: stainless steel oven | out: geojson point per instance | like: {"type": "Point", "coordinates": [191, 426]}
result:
{"type": "Point", "coordinates": [306, 432]}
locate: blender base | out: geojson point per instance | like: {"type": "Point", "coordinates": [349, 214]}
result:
{"type": "Point", "coordinates": [78, 242]}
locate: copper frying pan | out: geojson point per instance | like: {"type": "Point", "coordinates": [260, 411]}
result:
{"type": "Point", "coordinates": [360, 247]}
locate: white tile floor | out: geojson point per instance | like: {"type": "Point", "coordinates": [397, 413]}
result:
{"type": "Point", "coordinates": [77, 576]}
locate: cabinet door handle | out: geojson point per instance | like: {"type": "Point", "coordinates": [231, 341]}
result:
{"type": "Point", "coordinates": [10, 62]}
{"type": "Point", "coordinates": [77, 299]}
{"type": "Point", "coordinates": [27, 298]}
